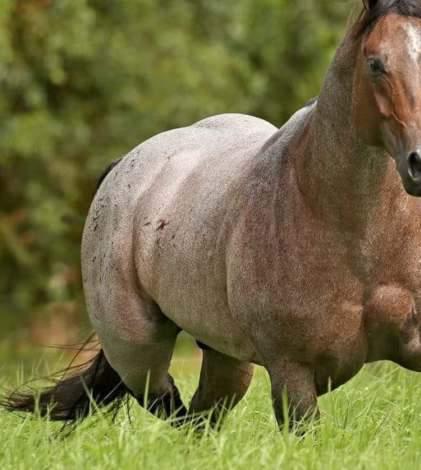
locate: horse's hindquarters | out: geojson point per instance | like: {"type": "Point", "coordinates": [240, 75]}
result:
{"type": "Point", "coordinates": [158, 230]}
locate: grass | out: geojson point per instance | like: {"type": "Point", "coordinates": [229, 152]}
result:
{"type": "Point", "coordinates": [371, 423]}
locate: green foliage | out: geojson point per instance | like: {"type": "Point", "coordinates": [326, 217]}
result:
{"type": "Point", "coordinates": [83, 81]}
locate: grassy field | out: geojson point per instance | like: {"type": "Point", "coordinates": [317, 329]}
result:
{"type": "Point", "coordinates": [371, 423]}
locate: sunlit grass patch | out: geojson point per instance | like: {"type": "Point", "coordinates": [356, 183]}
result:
{"type": "Point", "coordinates": [372, 422]}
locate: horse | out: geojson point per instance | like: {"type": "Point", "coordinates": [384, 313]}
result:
{"type": "Point", "coordinates": [297, 249]}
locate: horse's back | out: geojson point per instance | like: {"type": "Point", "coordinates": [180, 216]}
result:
{"type": "Point", "coordinates": [207, 156]}
{"type": "Point", "coordinates": [207, 144]}
{"type": "Point", "coordinates": [211, 139]}
{"type": "Point", "coordinates": [241, 122]}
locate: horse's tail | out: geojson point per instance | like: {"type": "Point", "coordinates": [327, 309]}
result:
{"type": "Point", "coordinates": [106, 171]}
{"type": "Point", "coordinates": [81, 389]}
{"type": "Point", "coordinates": [79, 393]}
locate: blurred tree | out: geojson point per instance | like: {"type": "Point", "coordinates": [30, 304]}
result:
{"type": "Point", "coordinates": [83, 81]}
{"type": "Point", "coordinates": [289, 46]}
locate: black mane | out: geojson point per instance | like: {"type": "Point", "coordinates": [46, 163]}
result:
{"type": "Point", "coordinates": [371, 14]}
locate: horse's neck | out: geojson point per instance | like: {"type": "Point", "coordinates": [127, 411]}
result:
{"type": "Point", "coordinates": [342, 180]}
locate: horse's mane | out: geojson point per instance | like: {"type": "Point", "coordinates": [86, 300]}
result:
{"type": "Point", "coordinates": [373, 11]}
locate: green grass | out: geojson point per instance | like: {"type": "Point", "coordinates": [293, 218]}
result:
{"type": "Point", "coordinates": [371, 423]}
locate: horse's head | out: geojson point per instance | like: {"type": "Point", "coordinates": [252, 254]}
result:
{"type": "Point", "coordinates": [387, 87]}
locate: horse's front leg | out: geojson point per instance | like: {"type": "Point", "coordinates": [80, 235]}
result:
{"type": "Point", "coordinates": [293, 392]}
{"type": "Point", "coordinates": [223, 383]}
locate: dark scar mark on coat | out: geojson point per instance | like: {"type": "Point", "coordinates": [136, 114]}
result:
{"type": "Point", "coordinates": [162, 224]}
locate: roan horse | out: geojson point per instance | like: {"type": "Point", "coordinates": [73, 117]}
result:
{"type": "Point", "coordinates": [298, 249]}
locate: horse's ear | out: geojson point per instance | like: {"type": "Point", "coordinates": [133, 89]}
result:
{"type": "Point", "coordinates": [370, 4]}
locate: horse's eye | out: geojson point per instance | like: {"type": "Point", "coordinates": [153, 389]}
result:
{"type": "Point", "coordinates": [376, 66]}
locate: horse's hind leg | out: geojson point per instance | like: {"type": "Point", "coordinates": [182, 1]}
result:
{"type": "Point", "coordinates": [138, 342]}
{"type": "Point", "coordinates": [223, 383]}
{"type": "Point", "coordinates": [144, 370]}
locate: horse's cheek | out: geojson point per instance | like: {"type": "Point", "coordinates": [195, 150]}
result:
{"type": "Point", "coordinates": [366, 113]}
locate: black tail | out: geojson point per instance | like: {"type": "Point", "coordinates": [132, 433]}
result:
{"type": "Point", "coordinates": [81, 390]}
{"type": "Point", "coordinates": [107, 170]}
{"type": "Point", "coordinates": [79, 393]}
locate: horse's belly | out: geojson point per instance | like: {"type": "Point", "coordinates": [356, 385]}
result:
{"type": "Point", "coordinates": [216, 330]}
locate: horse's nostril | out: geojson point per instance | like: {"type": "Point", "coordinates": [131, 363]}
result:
{"type": "Point", "coordinates": [414, 162]}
